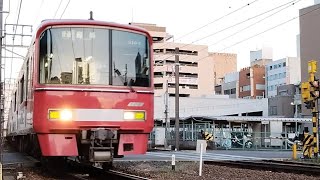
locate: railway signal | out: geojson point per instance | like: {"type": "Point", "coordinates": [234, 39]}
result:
{"type": "Point", "coordinates": [310, 92]}
{"type": "Point", "coordinates": [306, 96]}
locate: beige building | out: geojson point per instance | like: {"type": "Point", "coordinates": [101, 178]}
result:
{"type": "Point", "coordinates": [223, 63]}
{"type": "Point", "coordinates": [199, 70]}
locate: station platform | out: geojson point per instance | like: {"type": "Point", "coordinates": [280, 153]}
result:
{"type": "Point", "coordinates": [10, 157]}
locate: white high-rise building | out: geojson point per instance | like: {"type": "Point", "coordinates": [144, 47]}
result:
{"type": "Point", "coordinates": [281, 72]}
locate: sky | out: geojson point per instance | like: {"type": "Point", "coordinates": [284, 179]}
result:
{"type": "Point", "coordinates": [219, 19]}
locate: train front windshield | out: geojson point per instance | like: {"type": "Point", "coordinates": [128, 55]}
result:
{"type": "Point", "coordinates": [94, 56]}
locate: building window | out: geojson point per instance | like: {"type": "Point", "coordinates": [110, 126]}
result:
{"type": "Point", "coordinates": [158, 86]}
{"type": "Point", "coordinates": [246, 88]}
{"type": "Point", "coordinates": [260, 87]}
{"type": "Point", "coordinates": [284, 64]}
{"type": "Point", "coordinates": [279, 65]}
{"type": "Point", "coordinates": [273, 110]}
{"type": "Point", "coordinates": [233, 91]}
{"type": "Point", "coordinates": [283, 92]}
{"type": "Point", "coordinates": [248, 75]}
{"type": "Point", "coordinates": [270, 67]}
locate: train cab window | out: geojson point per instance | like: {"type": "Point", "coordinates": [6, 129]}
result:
{"type": "Point", "coordinates": [74, 55]}
{"type": "Point", "coordinates": [130, 59]}
{"type": "Point", "coordinates": [97, 56]}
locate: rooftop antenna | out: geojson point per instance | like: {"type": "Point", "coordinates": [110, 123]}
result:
{"type": "Point", "coordinates": [91, 16]}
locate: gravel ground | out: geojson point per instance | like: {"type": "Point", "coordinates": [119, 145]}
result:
{"type": "Point", "coordinates": [184, 170]}
{"type": "Point", "coordinates": [190, 170]}
{"type": "Point", "coordinates": [28, 173]}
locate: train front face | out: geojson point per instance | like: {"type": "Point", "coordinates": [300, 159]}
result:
{"type": "Point", "coordinates": [94, 94]}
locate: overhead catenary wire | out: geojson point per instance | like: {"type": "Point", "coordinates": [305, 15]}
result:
{"type": "Point", "coordinates": [39, 11]}
{"type": "Point", "coordinates": [262, 32]}
{"type": "Point", "coordinates": [287, 5]}
{"type": "Point", "coordinates": [211, 22]}
{"type": "Point", "coordinates": [218, 19]}
{"type": "Point", "coordinates": [57, 9]}
{"type": "Point", "coordinates": [15, 30]}
{"type": "Point", "coordinates": [65, 8]}
{"type": "Point", "coordinates": [292, 3]}
{"type": "Point", "coordinates": [13, 38]}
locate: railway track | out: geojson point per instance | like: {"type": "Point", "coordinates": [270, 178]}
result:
{"type": "Point", "coordinates": [111, 174]}
{"type": "Point", "coordinates": [79, 171]}
{"type": "Point", "coordinates": [273, 165]}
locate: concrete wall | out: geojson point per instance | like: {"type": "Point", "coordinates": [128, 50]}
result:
{"type": "Point", "coordinates": [217, 105]}
{"type": "Point", "coordinates": [283, 106]}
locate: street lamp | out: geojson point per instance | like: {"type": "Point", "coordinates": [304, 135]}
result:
{"type": "Point", "coordinates": [296, 109]}
{"type": "Point", "coordinates": [295, 114]}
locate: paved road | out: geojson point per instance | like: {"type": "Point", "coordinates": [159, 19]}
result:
{"type": "Point", "coordinates": [215, 155]}
{"type": "Point", "coordinates": [211, 155]}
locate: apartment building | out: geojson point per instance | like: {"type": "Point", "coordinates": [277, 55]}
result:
{"type": "Point", "coordinates": [230, 86]}
{"type": "Point", "coordinates": [261, 57]}
{"type": "Point", "coordinates": [282, 72]}
{"type": "Point", "coordinates": [223, 63]}
{"type": "Point", "coordinates": [252, 82]}
{"type": "Point", "coordinates": [199, 70]}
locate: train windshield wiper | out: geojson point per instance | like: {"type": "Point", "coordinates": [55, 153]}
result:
{"type": "Point", "coordinates": [123, 80]}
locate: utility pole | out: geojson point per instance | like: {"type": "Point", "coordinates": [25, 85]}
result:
{"type": "Point", "coordinates": [1, 86]}
{"type": "Point", "coordinates": [167, 121]}
{"type": "Point", "coordinates": [177, 97]}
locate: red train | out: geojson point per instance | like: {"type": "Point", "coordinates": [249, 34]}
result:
{"type": "Point", "coordinates": [85, 90]}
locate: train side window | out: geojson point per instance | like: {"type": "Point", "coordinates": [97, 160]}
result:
{"type": "Point", "coordinates": [15, 101]}
{"type": "Point", "coordinates": [27, 79]}
{"type": "Point", "coordinates": [22, 89]}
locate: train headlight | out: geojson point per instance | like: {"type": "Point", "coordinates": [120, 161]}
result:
{"type": "Point", "coordinates": [134, 115]}
{"type": "Point", "coordinates": [63, 115]}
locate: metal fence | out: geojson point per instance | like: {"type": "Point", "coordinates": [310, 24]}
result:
{"type": "Point", "coordinates": [226, 138]}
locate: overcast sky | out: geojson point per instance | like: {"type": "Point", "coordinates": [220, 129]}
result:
{"type": "Point", "coordinates": [180, 17]}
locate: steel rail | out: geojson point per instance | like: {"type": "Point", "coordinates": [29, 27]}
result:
{"type": "Point", "coordinates": [276, 166]}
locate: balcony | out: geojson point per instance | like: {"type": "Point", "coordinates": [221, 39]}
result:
{"type": "Point", "coordinates": [184, 80]}
{"type": "Point", "coordinates": [182, 90]}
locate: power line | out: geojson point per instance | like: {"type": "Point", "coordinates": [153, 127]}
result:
{"type": "Point", "coordinates": [249, 19]}
{"type": "Point", "coordinates": [39, 11]}
{"type": "Point", "coordinates": [255, 23]}
{"type": "Point", "coordinates": [57, 9]}
{"type": "Point", "coordinates": [276, 26]}
{"type": "Point", "coordinates": [15, 30]}
{"type": "Point", "coordinates": [13, 52]}
{"type": "Point", "coordinates": [65, 9]}
{"type": "Point", "coordinates": [234, 25]}
{"type": "Point", "coordinates": [218, 19]}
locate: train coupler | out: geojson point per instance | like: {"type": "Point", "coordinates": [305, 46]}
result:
{"type": "Point", "coordinates": [101, 154]}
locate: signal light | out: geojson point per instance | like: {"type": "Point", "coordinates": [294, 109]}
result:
{"type": "Point", "coordinates": [314, 90]}
{"type": "Point", "coordinates": [305, 92]}
{"type": "Point", "coordinates": [309, 104]}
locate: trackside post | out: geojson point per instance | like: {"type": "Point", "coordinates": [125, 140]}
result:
{"type": "Point", "coordinates": [173, 162]}
{"type": "Point", "coordinates": [200, 167]}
